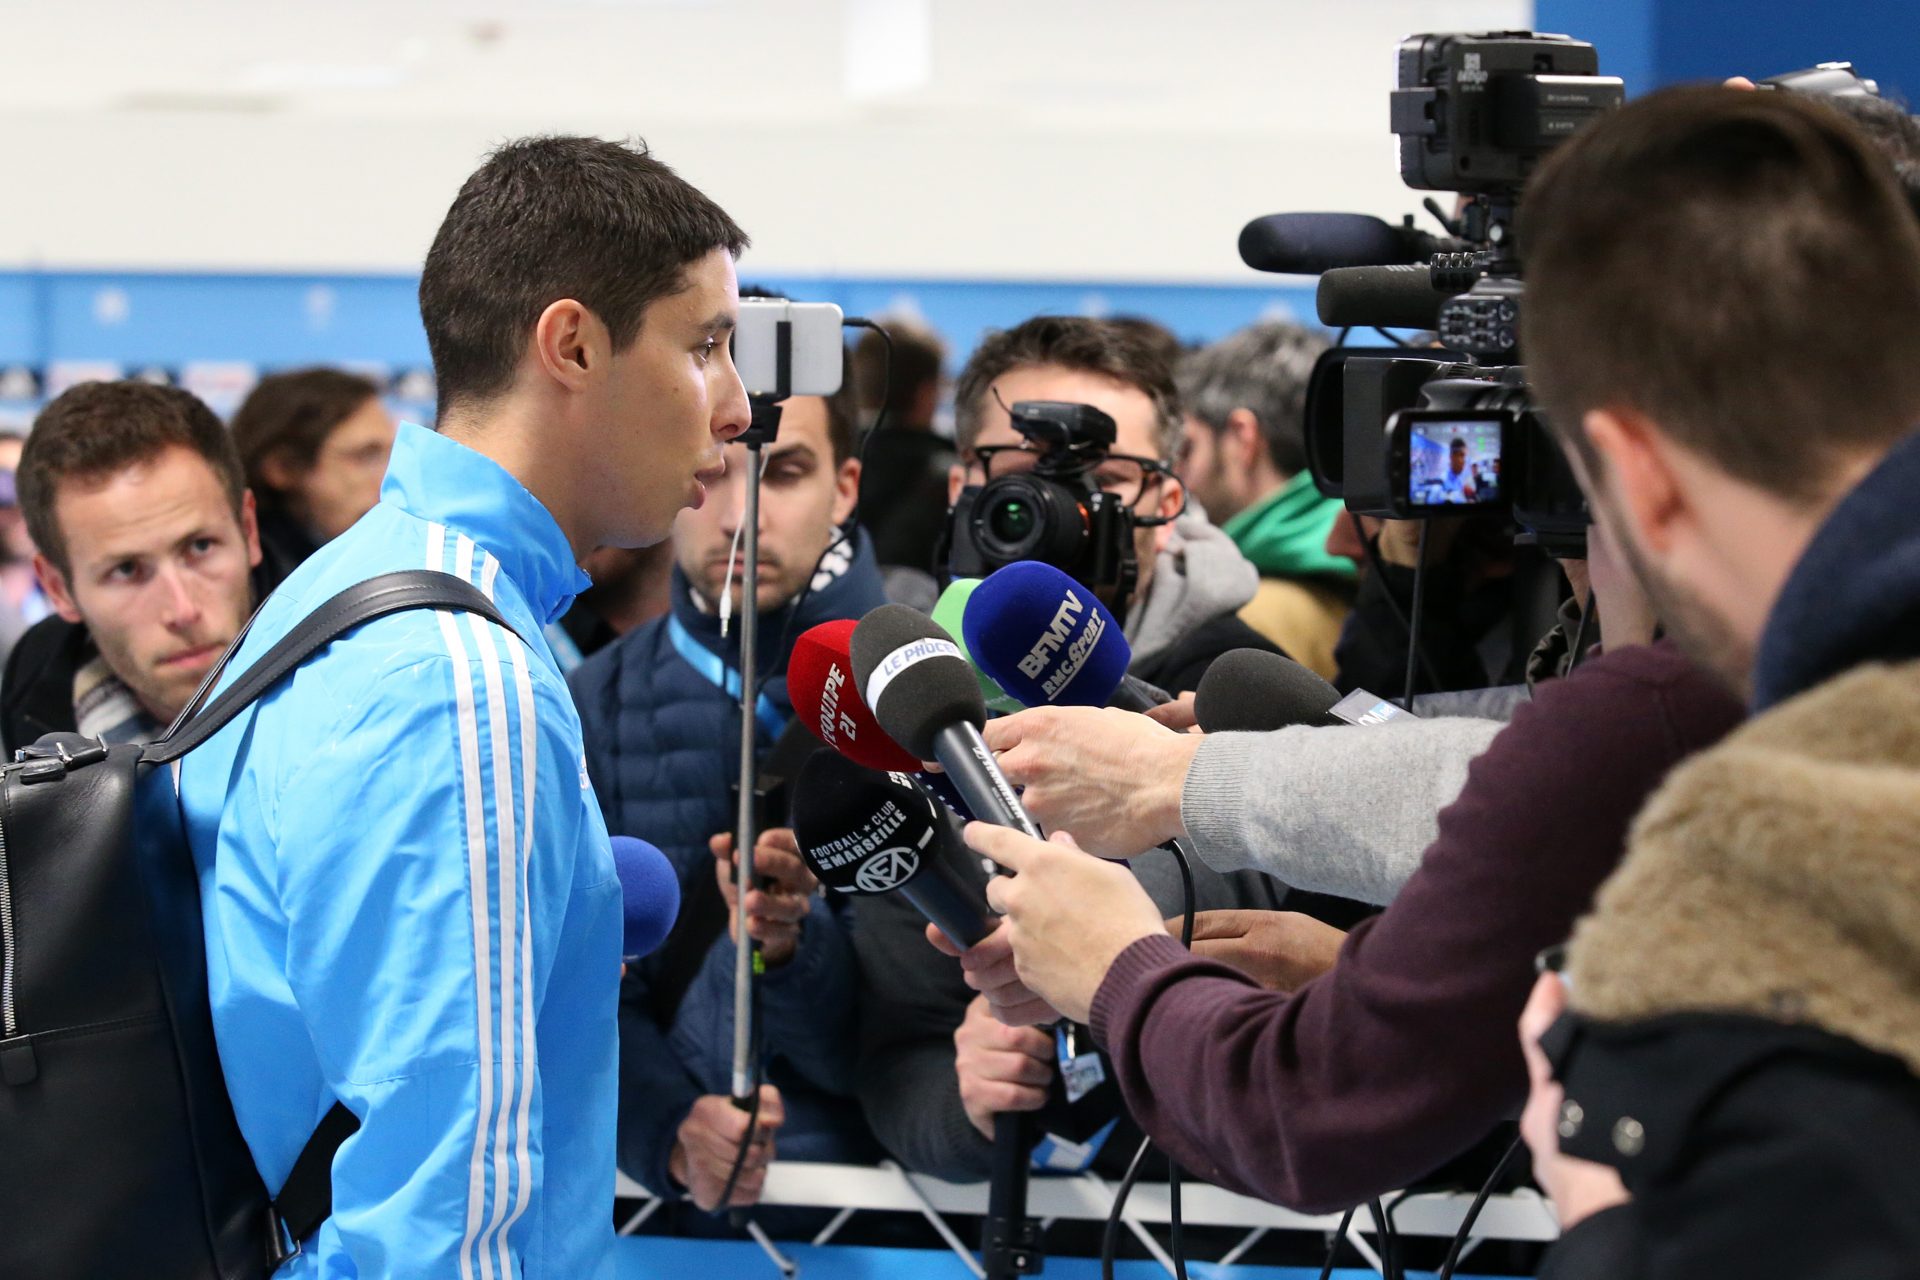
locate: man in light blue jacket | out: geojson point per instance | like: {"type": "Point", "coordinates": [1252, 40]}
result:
{"type": "Point", "coordinates": [410, 902]}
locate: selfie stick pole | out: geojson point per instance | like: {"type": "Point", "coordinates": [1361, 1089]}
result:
{"type": "Point", "coordinates": [747, 960]}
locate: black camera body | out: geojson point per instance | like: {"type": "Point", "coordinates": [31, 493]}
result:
{"type": "Point", "coordinates": [1054, 512]}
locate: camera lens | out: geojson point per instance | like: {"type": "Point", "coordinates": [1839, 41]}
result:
{"type": "Point", "coordinates": [1012, 520]}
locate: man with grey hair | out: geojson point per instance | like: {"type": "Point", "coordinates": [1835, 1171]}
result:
{"type": "Point", "coordinates": [1243, 456]}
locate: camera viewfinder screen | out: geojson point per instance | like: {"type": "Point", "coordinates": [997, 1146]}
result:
{"type": "Point", "coordinates": [1453, 463]}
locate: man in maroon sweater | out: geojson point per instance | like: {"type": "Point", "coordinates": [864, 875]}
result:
{"type": "Point", "coordinates": [1403, 1054]}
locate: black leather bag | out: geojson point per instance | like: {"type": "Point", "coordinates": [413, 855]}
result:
{"type": "Point", "coordinates": [119, 1152]}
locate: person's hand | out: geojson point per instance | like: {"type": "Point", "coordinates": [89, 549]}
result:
{"type": "Point", "coordinates": [1578, 1188]}
{"type": "Point", "coordinates": [1001, 1068]}
{"type": "Point", "coordinates": [774, 912]}
{"type": "Point", "coordinates": [1280, 950]}
{"type": "Point", "coordinates": [1111, 777]}
{"type": "Point", "coordinates": [988, 968]}
{"type": "Point", "coordinates": [1176, 715]}
{"type": "Point", "coordinates": [1068, 915]}
{"type": "Point", "coordinates": [709, 1140]}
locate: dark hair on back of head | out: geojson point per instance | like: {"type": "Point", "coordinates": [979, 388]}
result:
{"type": "Point", "coordinates": [1894, 133]}
{"type": "Point", "coordinates": [90, 431]}
{"type": "Point", "coordinates": [1124, 352]}
{"type": "Point", "coordinates": [918, 359]}
{"type": "Point", "coordinates": [292, 414]}
{"type": "Point", "coordinates": [1741, 268]}
{"type": "Point", "coordinates": [549, 218]}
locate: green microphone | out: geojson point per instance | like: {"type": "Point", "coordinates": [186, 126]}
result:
{"type": "Point", "coordinates": [947, 614]}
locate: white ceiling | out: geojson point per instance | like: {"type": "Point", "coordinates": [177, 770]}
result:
{"type": "Point", "coordinates": [798, 114]}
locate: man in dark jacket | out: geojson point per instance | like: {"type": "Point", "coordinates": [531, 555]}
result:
{"type": "Point", "coordinates": [149, 553]}
{"type": "Point", "coordinates": [659, 708]}
{"type": "Point", "coordinates": [1183, 612]}
{"type": "Point", "coordinates": [1734, 1091]}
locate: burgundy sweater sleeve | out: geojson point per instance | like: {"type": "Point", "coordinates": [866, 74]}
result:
{"type": "Point", "coordinates": [1405, 1053]}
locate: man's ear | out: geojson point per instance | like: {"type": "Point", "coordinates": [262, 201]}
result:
{"type": "Point", "coordinates": [250, 528]}
{"type": "Point", "coordinates": [1242, 440]}
{"type": "Point", "coordinates": [956, 481]}
{"type": "Point", "coordinates": [1637, 465]}
{"type": "Point", "coordinates": [277, 471]}
{"type": "Point", "coordinates": [1173, 497]}
{"type": "Point", "coordinates": [846, 490]}
{"type": "Point", "coordinates": [59, 593]}
{"type": "Point", "coordinates": [570, 345]}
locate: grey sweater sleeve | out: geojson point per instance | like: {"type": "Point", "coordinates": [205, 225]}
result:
{"type": "Point", "coordinates": [1346, 810]}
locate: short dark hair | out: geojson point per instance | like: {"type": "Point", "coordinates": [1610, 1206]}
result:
{"type": "Point", "coordinates": [547, 218]}
{"type": "Point", "coordinates": [97, 428]}
{"type": "Point", "coordinates": [918, 356]}
{"type": "Point", "coordinates": [843, 414]}
{"type": "Point", "coordinates": [1263, 369]}
{"type": "Point", "coordinates": [1893, 132]}
{"type": "Point", "coordinates": [292, 414]}
{"type": "Point", "coordinates": [1122, 352]}
{"type": "Point", "coordinates": [1742, 268]}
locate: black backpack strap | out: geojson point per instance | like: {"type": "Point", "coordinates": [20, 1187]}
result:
{"type": "Point", "coordinates": [375, 598]}
{"type": "Point", "coordinates": [306, 1200]}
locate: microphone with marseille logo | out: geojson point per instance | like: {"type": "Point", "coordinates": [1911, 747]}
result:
{"type": "Point", "coordinates": [865, 832]}
{"type": "Point", "coordinates": [1045, 639]}
{"type": "Point", "coordinates": [649, 896]}
{"type": "Point", "coordinates": [1254, 691]}
{"type": "Point", "coordinates": [926, 698]}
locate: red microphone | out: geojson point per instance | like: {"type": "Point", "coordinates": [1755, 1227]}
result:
{"type": "Point", "coordinates": [826, 698]}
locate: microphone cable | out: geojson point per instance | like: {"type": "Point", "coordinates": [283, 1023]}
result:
{"type": "Point", "coordinates": [1473, 1212]}
{"type": "Point", "coordinates": [1379, 567]}
{"type": "Point", "coordinates": [1333, 1245]}
{"type": "Point", "coordinates": [1110, 1238]}
{"type": "Point", "coordinates": [1413, 625]}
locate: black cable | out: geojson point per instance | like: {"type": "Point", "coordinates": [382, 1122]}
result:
{"type": "Point", "coordinates": [1333, 1245]}
{"type": "Point", "coordinates": [1389, 1265]}
{"type": "Point", "coordinates": [1580, 632]}
{"type": "Point", "coordinates": [886, 393]}
{"type": "Point", "coordinates": [1379, 567]}
{"type": "Point", "coordinates": [1413, 625]}
{"type": "Point", "coordinates": [1110, 1238]}
{"type": "Point", "coordinates": [1473, 1213]}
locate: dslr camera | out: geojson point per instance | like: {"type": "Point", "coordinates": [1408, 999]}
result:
{"type": "Point", "coordinates": [1051, 500]}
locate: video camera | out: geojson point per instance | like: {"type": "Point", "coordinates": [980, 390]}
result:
{"type": "Point", "coordinates": [1415, 433]}
{"type": "Point", "coordinates": [1411, 433]}
{"type": "Point", "coordinates": [1045, 501]}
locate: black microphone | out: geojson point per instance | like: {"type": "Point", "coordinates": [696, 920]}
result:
{"type": "Point", "coordinates": [925, 695]}
{"type": "Point", "coordinates": [1391, 297]}
{"type": "Point", "coordinates": [1309, 243]}
{"type": "Point", "coordinates": [865, 832]}
{"type": "Point", "coordinates": [1254, 691]}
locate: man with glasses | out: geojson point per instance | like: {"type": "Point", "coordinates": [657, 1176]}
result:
{"type": "Point", "coordinates": [1183, 612]}
{"type": "Point", "coordinates": [935, 1066]}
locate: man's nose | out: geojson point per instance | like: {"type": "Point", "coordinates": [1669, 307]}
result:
{"type": "Point", "coordinates": [181, 608]}
{"type": "Point", "coordinates": [732, 412]}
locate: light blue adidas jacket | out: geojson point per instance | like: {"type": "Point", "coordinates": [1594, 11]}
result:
{"type": "Point", "coordinates": [411, 905]}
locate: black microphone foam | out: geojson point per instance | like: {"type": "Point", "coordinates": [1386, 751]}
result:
{"type": "Point", "coordinates": [865, 832]}
{"type": "Point", "coordinates": [1309, 243]}
{"type": "Point", "coordinates": [1253, 691]}
{"type": "Point", "coordinates": [915, 680]}
{"type": "Point", "coordinates": [1400, 297]}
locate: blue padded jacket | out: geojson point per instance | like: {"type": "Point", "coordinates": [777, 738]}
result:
{"type": "Point", "coordinates": [410, 902]}
{"type": "Point", "coordinates": [663, 743]}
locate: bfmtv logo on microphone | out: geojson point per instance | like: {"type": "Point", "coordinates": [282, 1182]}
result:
{"type": "Point", "coordinates": [1059, 639]}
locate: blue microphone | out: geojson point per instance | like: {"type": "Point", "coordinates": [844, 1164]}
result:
{"type": "Point", "coordinates": [650, 895]}
{"type": "Point", "coordinates": [1046, 640]}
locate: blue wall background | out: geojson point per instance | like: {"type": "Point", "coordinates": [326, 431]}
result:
{"type": "Point", "coordinates": [214, 332]}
